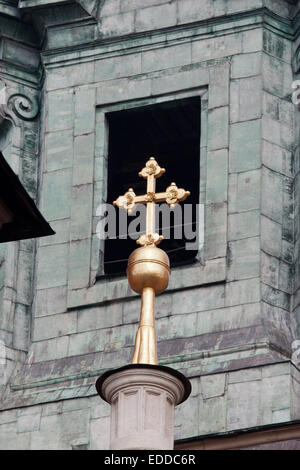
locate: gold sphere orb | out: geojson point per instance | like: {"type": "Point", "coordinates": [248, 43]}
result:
{"type": "Point", "coordinates": [148, 266]}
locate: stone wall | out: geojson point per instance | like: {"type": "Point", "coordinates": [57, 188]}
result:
{"type": "Point", "coordinates": [227, 321]}
{"type": "Point", "coordinates": [19, 142]}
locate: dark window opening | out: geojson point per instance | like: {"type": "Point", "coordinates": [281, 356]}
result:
{"type": "Point", "coordinates": [170, 132]}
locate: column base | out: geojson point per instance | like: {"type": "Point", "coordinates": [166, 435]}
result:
{"type": "Point", "coordinates": [143, 398]}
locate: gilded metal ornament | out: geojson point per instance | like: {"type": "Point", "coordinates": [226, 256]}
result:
{"type": "Point", "coordinates": [148, 267]}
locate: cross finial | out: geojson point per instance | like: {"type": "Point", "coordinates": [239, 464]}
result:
{"type": "Point", "coordinates": [172, 196]}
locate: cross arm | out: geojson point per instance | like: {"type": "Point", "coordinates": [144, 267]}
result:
{"type": "Point", "coordinates": [172, 195]}
{"type": "Point", "coordinates": [129, 200]}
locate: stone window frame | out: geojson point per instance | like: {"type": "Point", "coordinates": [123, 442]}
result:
{"type": "Point", "coordinates": [213, 89]}
{"type": "Point", "coordinates": [138, 105]}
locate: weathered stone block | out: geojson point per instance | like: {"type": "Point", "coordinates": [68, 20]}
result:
{"type": "Point", "coordinates": [118, 67]}
{"type": "Point", "coordinates": [277, 76]}
{"type": "Point", "coordinates": [101, 170]}
{"type": "Point", "coordinates": [277, 46]}
{"type": "Point", "coordinates": [21, 327]}
{"type": "Point", "coordinates": [277, 159]}
{"type": "Point", "coordinates": [100, 317]}
{"type": "Point", "coordinates": [123, 89]}
{"type": "Point", "coordinates": [166, 57]}
{"type": "Point", "coordinates": [85, 343]}
{"type": "Point", "coordinates": [81, 212]}
{"type": "Point", "coordinates": [69, 76]}
{"type": "Point", "coordinates": [83, 169]}
{"type": "Point", "coordinates": [224, 319]}
{"type": "Point", "coordinates": [281, 416]}
{"type": "Point", "coordinates": [271, 195]}
{"type": "Point", "coordinates": [50, 409]}
{"type": "Point", "coordinates": [156, 17]}
{"type": "Point", "coordinates": [219, 86]}
{"type": "Point", "coordinates": [187, 418]}
{"type": "Point", "coordinates": [131, 311]}
{"type": "Point", "coordinates": [11, 440]}
{"type": "Point", "coordinates": [248, 191]}
{"type": "Point", "coordinates": [271, 234]}
{"type": "Point", "coordinates": [275, 297]}
{"type": "Point", "coordinates": [217, 170]}
{"type": "Point", "coordinates": [243, 405]}
{"type": "Point", "coordinates": [56, 195]}
{"type": "Point", "coordinates": [119, 337]}
{"type": "Point", "coordinates": [117, 25]}
{"type": "Point", "coordinates": [54, 325]}
{"type": "Point", "coordinates": [79, 263]}
{"type": "Point", "coordinates": [252, 40]}
{"type": "Point", "coordinates": [274, 370]}
{"type": "Point", "coordinates": [269, 270]}
{"type": "Point", "coordinates": [245, 375]}
{"type": "Point", "coordinates": [179, 80]}
{"type": "Point", "coordinates": [286, 277]}
{"type": "Point", "coordinates": [84, 119]}
{"type": "Point", "coordinates": [110, 7]}
{"type": "Point", "coordinates": [198, 300]}
{"type": "Point", "coordinates": [271, 130]}
{"type": "Point", "coordinates": [127, 5]}
{"type": "Point", "coordinates": [234, 101]}
{"type": "Point", "coordinates": [216, 230]}
{"type": "Point", "coordinates": [179, 326]}
{"type": "Point", "coordinates": [75, 428]}
{"type": "Point", "coordinates": [287, 251]}
{"type": "Point", "coordinates": [212, 385]}
{"type": "Point", "coordinates": [244, 259]}
{"type": "Point", "coordinates": [24, 277]}
{"type": "Point", "coordinates": [62, 233]}
{"type": "Point", "coordinates": [243, 225]}
{"type": "Point", "coordinates": [192, 10]}
{"type": "Point", "coordinates": [271, 106]}
{"type": "Point", "coordinates": [218, 128]}
{"type": "Point", "coordinates": [100, 433]}
{"type": "Point", "coordinates": [275, 398]}
{"type": "Point", "coordinates": [52, 266]}
{"type": "Point", "coordinates": [50, 349]}
{"type": "Point", "coordinates": [50, 301]}
{"type": "Point", "coordinates": [78, 404]}
{"type": "Point", "coordinates": [60, 110]}
{"type": "Point", "coordinates": [29, 422]}
{"type": "Point", "coordinates": [8, 416]}
{"type": "Point", "coordinates": [246, 65]}
{"type": "Point", "coordinates": [223, 46]}
{"type": "Point", "coordinates": [59, 150]}
{"type": "Point", "coordinates": [242, 5]}
{"type": "Point", "coordinates": [212, 415]}
{"type": "Point", "coordinates": [99, 408]}
{"type": "Point", "coordinates": [245, 146]}
{"type": "Point", "coordinates": [49, 435]}
{"type": "Point", "coordinates": [245, 109]}
{"type": "Point", "coordinates": [242, 292]}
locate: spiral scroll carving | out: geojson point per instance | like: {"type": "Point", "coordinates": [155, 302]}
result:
{"type": "Point", "coordinates": [25, 107]}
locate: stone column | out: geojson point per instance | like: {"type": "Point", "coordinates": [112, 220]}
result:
{"type": "Point", "coordinates": [143, 398]}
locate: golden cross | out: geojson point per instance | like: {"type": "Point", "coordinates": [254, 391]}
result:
{"type": "Point", "coordinates": [172, 196]}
